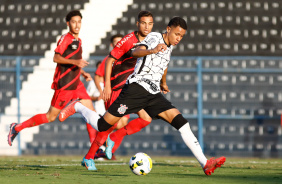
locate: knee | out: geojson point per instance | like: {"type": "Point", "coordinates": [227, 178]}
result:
{"type": "Point", "coordinates": [145, 116]}
{"type": "Point", "coordinates": [121, 123]}
{"type": "Point", "coordinates": [178, 121]}
{"type": "Point", "coordinates": [103, 125]}
{"type": "Point", "coordinates": [50, 117]}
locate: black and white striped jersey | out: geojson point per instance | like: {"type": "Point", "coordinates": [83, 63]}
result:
{"type": "Point", "coordinates": [149, 69]}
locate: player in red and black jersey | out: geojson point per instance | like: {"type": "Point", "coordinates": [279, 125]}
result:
{"type": "Point", "coordinates": [66, 82]}
{"type": "Point", "coordinates": [118, 66]}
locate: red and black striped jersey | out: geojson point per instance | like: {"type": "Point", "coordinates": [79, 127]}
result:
{"type": "Point", "coordinates": [125, 63]}
{"type": "Point", "coordinates": [66, 76]}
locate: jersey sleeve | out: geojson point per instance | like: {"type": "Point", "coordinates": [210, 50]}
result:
{"type": "Point", "coordinates": [62, 45]}
{"type": "Point", "coordinates": [151, 41]}
{"type": "Point", "coordinates": [122, 47]}
{"type": "Point", "coordinates": [101, 69]}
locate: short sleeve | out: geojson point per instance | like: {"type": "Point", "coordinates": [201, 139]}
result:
{"type": "Point", "coordinates": [151, 41]}
{"type": "Point", "coordinates": [62, 45]}
{"type": "Point", "coordinates": [101, 69]}
{"type": "Point", "coordinates": [122, 47]}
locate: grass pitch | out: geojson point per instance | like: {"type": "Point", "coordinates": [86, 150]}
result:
{"type": "Point", "coordinates": [67, 169]}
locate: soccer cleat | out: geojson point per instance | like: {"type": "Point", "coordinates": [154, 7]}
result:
{"type": "Point", "coordinates": [82, 163]}
{"type": "Point", "coordinates": [67, 111]}
{"type": "Point", "coordinates": [12, 134]}
{"type": "Point", "coordinates": [212, 164]}
{"type": "Point", "coordinates": [89, 164]}
{"type": "Point", "coordinates": [109, 147]}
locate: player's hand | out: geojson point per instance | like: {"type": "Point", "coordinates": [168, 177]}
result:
{"type": "Point", "coordinates": [164, 89]}
{"type": "Point", "coordinates": [100, 97]}
{"type": "Point", "coordinates": [87, 76]}
{"type": "Point", "coordinates": [81, 63]}
{"type": "Point", "coordinates": [107, 93]}
{"type": "Point", "coordinates": [160, 48]}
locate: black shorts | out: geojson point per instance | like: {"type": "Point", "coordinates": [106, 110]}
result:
{"type": "Point", "coordinates": [134, 97]}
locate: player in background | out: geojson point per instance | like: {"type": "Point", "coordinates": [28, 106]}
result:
{"type": "Point", "coordinates": [98, 146]}
{"type": "Point", "coordinates": [95, 94]}
{"type": "Point", "coordinates": [143, 91]}
{"type": "Point", "coordinates": [118, 66]}
{"type": "Point", "coordinates": [66, 82]}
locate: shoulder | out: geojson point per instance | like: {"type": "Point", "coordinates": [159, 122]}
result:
{"type": "Point", "coordinates": [64, 38]}
{"type": "Point", "coordinates": [127, 39]}
{"type": "Point", "coordinates": [152, 38]}
{"type": "Point", "coordinates": [154, 35]}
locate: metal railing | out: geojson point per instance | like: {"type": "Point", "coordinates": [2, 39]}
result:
{"type": "Point", "coordinates": [199, 70]}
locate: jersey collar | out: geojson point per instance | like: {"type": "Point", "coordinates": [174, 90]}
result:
{"type": "Point", "coordinates": [136, 35]}
{"type": "Point", "coordinates": [164, 40]}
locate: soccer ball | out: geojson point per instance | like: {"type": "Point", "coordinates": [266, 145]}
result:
{"type": "Point", "coordinates": [140, 164]}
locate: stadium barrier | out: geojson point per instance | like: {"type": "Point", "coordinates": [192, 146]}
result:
{"type": "Point", "coordinates": [198, 70]}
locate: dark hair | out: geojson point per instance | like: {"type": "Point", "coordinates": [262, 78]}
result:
{"type": "Point", "coordinates": [72, 14]}
{"type": "Point", "coordinates": [177, 21]}
{"type": "Point", "coordinates": [116, 36]}
{"type": "Point", "coordinates": [144, 14]}
{"type": "Point", "coordinates": [97, 64]}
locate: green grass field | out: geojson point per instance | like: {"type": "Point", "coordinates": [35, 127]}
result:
{"type": "Point", "coordinates": [67, 169]}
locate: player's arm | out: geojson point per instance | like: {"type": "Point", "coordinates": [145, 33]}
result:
{"type": "Point", "coordinates": [142, 51]}
{"type": "Point", "coordinates": [163, 85]}
{"type": "Point", "coordinates": [86, 75]}
{"type": "Point", "coordinates": [61, 60]}
{"type": "Point", "coordinates": [97, 80]}
{"type": "Point", "coordinates": [108, 71]}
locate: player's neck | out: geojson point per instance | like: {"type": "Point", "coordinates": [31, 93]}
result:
{"type": "Point", "coordinates": [74, 35]}
{"type": "Point", "coordinates": [140, 37]}
{"type": "Point", "coordinates": [165, 37]}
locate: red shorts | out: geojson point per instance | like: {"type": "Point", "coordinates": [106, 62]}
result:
{"type": "Point", "coordinates": [62, 97]}
{"type": "Point", "coordinates": [114, 96]}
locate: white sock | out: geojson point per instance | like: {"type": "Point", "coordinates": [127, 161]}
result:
{"type": "Point", "coordinates": [89, 116]}
{"type": "Point", "coordinates": [192, 142]}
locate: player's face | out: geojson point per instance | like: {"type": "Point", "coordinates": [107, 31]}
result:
{"type": "Point", "coordinates": [74, 24]}
{"type": "Point", "coordinates": [145, 25]}
{"type": "Point", "coordinates": [175, 34]}
{"type": "Point", "coordinates": [115, 41]}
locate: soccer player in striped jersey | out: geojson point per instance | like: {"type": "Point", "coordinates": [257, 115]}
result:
{"type": "Point", "coordinates": [66, 82]}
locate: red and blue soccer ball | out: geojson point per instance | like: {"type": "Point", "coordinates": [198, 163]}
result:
{"type": "Point", "coordinates": [140, 164]}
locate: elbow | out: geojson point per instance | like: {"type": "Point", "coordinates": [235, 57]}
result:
{"type": "Point", "coordinates": [55, 59]}
{"type": "Point", "coordinates": [134, 54]}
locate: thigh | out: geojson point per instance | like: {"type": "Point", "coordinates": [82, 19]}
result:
{"type": "Point", "coordinates": [158, 104]}
{"type": "Point", "coordinates": [144, 115]}
{"type": "Point", "coordinates": [132, 99]}
{"type": "Point", "coordinates": [61, 98]}
{"type": "Point", "coordinates": [169, 115]}
{"type": "Point", "coordinates": [122, 122]}
{"type": "Point", "coordinates": [81, 92]}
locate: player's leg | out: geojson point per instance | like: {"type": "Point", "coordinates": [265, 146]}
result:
{"type": "Point", "coordinates": [111, 144]}
{"type": "Point", "coordinates": [132, 127]}
{"type": "Point", "coordinates": [98, 142]}
{"type": "Point", "coordinates": [131, 100]}
{"type": "Point", "coordinates": [91, 117]}
{"type": "Point", "coordinates": [91, 131]}
{"type": "Point", "coordinates": [88, 160]}
{"type": "Point", "coordinates": [85, 100]}
{"type": "Point", "coordinates": [175, 118]}
{"type": "Point", "coordinates": [36, 120]}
